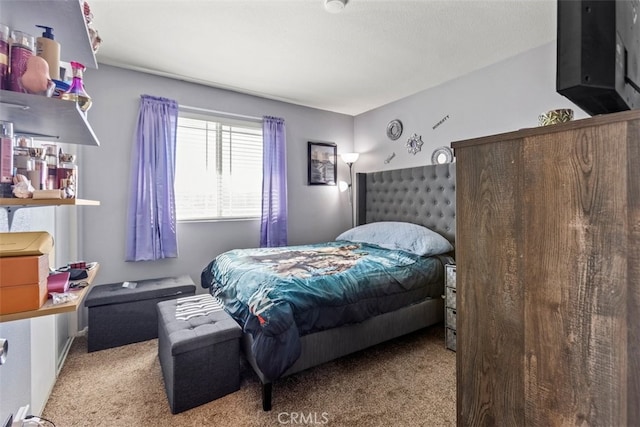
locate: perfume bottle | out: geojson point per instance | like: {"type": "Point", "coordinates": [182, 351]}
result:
{"type": "Point", "coordinates": [76, 92]}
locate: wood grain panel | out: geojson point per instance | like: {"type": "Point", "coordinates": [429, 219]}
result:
{"type": "Point", "coordinates": [490, 297]}
{"type": "Point", "coordinates": [548, 275]}
{"type": "Point", "coordinates": [575, 259]}
{"type": "Point", "coordinates": [633, 273]}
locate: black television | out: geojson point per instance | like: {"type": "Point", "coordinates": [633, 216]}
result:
{"type": "Point", "coordinates": [598, 54]}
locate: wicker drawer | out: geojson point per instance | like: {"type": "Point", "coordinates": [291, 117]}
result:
{"type": "Point", "coordinates": [450, 318]}
{"type": "Point", "coordinates": [450, 297]}
{"type": "Point", "coordinates": [450, 275]}
{"type": "Point", "coordinates": [451, 339]}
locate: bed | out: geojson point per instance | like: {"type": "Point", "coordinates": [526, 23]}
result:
{"type": "Point", "coordinates": [380, 280]}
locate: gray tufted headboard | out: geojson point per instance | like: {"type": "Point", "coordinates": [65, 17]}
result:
{"type": "Point", "coordinates": [424, 195]}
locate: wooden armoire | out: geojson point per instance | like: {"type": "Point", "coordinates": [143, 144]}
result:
{"type": "Point", "coordinates": [548, 275]}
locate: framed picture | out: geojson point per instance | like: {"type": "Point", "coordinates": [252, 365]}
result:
{"type": "Point", "coordinates": [322, 158]}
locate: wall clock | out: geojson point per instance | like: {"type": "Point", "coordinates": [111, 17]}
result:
{"type": "Point", "coordinates": [394, 129]}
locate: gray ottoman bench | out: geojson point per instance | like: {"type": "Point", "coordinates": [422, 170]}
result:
{"type": "Point", "coordinates": [120, 315]}
{"type": "Point", "coordinates": [199, 355]}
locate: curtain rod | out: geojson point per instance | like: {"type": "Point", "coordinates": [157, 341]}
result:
{"type": "Point", "coordinates": [219, 113]}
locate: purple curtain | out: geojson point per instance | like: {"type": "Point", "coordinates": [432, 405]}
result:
{"type": "Point", "coordinates": [151, 217]}
{"type": "Point", "coordinates": [273, 227]}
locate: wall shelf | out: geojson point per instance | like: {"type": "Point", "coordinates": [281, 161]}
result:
{"type": "Point", "coordinates": [50, 308]}
{"type": "Point", "coordinates": [36, 115]}
{"type": "Point", "coordinates": [43, 117]}
{"type": "Point", "coordinates": [16, 202]}
{"type": "Point", "coordinates": [13, 204]}
{"type": "Point", "coordinates": [65, 17]}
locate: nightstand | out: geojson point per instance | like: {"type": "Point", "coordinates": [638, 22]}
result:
{"type": "Point", "coordinates": [450, 306]}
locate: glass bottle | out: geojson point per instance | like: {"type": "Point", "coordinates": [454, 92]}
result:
{"type": "Point", "coordinates": [6, 152]}
{"type": "Point", "coordinates": [6, 158]}
{"type": "Point", "coordinates": [23, 163]}
{"type": "Point", "coordinates": [51, 158]}
{"type": "Point", "coordinates": [68, 175]}
{"type": "Point", "coordinates": [38, 176]}
{"type": "Point", "coordinates": [76, 92]}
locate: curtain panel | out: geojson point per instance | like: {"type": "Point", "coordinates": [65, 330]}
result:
{"type": "Point", "coordinates": [151, 217]}
{"type": "Point", "coordinates": [273, 225]}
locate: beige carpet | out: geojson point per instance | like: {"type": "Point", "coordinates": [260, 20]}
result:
{"type": "Point", "coordinates": [406, 382]}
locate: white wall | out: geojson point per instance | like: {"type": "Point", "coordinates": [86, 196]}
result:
{"type": "Point", "coordinates": [503, 97]}
{"type": "Point", "coordinates": [316, 213]}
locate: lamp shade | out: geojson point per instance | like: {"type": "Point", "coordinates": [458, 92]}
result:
{"type": "Point", "coordinates": [349, 157]}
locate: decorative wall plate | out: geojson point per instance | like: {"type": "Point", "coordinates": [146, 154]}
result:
{"type": "Point", "coordinates": [394, 129]}
{"type": "Point", "coordinates": [414, 144]}
{"type": "Point", "coordinates": [442, 155]}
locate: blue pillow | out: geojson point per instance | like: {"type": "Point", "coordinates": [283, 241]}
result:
{"type": "Point", "coordinates": [404, 236]}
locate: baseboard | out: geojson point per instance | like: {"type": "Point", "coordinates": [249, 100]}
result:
{"type": "Point", "coordinates": [63, 355]}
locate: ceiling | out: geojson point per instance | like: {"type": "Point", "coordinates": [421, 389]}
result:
{"type": "Point", "coordinates": [372, 53]}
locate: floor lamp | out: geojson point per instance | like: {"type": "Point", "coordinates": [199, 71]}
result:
{"type": "Point", "coordinates": [350, 159]}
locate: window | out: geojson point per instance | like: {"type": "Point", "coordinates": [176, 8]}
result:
{"type": "Point", "coordinates": [218, 168]}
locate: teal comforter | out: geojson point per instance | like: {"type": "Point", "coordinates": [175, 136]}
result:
{"type": "Point", "coordinates": [280, 294]}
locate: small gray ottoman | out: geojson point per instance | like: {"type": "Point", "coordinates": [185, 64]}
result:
{"type": "Point", "coordinates": [200, 357]}
{"type": "Point", "coordinates": [120, 315]}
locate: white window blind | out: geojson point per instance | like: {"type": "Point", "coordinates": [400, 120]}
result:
{"type": "Point", "coordinates": [218, 168]}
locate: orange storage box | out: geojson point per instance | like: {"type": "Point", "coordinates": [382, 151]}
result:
{"type": "Point", "coordinates": [23, 283]}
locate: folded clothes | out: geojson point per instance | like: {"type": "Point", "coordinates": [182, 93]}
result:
{"type": "Point", "coordinates": [197, 305]}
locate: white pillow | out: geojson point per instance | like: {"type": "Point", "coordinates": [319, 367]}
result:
{"type": "Point", "coordinates": [404, 236]}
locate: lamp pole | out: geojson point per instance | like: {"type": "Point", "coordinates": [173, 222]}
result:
{"type": "Point", "coordinates": [350, 164]}
{"type": "Point", "coordinates": [350, 159]}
